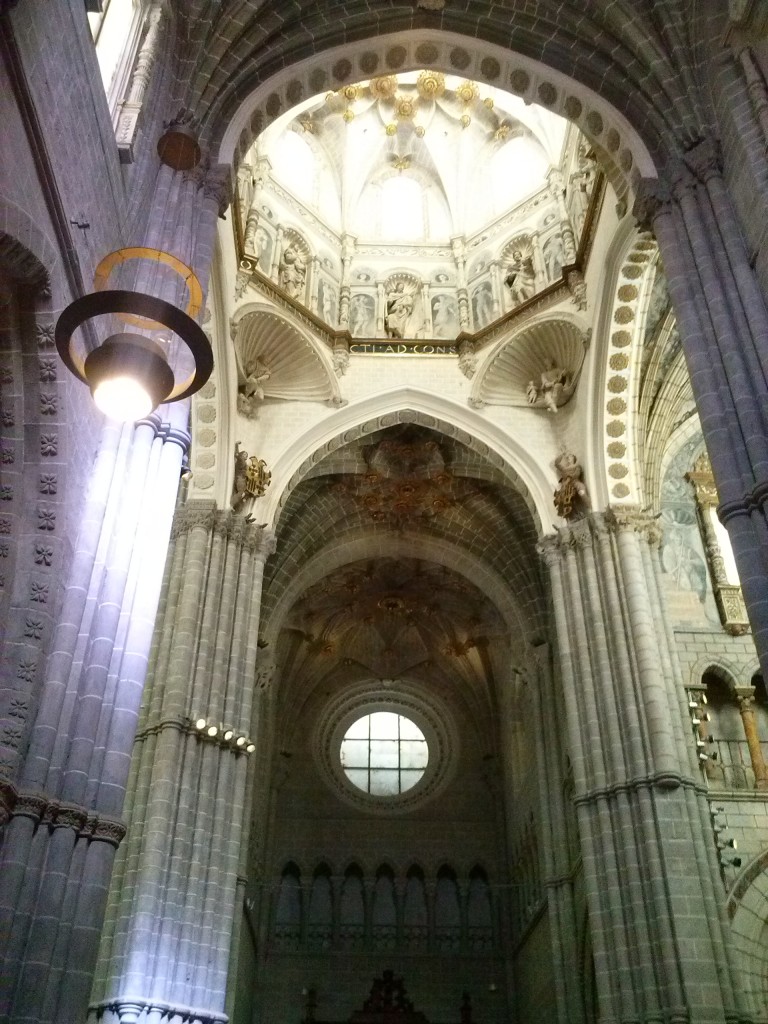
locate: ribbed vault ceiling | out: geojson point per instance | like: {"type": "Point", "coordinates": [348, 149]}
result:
{"type": "Point", "coordinates": [397, 495]}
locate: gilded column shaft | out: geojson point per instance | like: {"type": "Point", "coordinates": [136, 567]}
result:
{"type": "Point", "coordinates": [753, 741]}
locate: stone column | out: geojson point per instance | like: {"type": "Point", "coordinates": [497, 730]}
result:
{"type": "Point", "coordinates": [546, 705]}
{"type": "Point", "coordinates": [462, 295]}
{"type": "Point", "coordinates": [746, 702]}
{"type": "Point", "coordinates": [651, 875]}
{"type": "Point", "coordinates": [347, 255]}
{"type": "Point", "coordinates": [723, 324]}
{"type": "Point", "coordinates": [557, 191]}
{"type": "Point", "coordinates": [130, 108]}
{"type": "Point", "coordinates": [166, 941]}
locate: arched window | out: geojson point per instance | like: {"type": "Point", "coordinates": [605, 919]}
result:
{"type": "Point", "coordinates": [384, 912]}
{"type": "Point", "coordinates": [479, 916]}
{"type": "Point", "coordinates": [288, 910]}
{"type": "Point", "coordinates": [352, 910]}
{"type": "Point", "coordinates": [729, 764]}
{"type": "Point", "coordinates": [415, 917]}
{"type": "Point", "coordinates": [447, 912]}
{"type": "Point", "coordinates": [320, 916]}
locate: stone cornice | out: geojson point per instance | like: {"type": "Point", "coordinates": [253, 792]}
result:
{"type": "Point", "coordinates": [614, 520]}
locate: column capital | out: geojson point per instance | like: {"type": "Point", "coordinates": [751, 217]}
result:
{"type": "Point", "coordinates": [623, 519]}
{"type": "Point", "coordinates": [195, 514]}
{"type": "Point", "coordinates": [704, 160]}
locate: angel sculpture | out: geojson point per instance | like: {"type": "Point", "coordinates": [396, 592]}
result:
{"type": "Point", "coordinates": [251, 379]}
{"type": "Point", "coordinates": [571, 498]}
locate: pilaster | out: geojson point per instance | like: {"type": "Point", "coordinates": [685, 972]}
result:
{"type": "Point", "coordinates": [650, 871]}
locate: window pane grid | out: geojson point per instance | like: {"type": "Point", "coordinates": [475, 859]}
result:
{"type": "Point", "coordinates": [384, 754]}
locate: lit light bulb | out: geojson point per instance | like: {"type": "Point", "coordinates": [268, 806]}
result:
{"type": "Point", "coordinates": [240, 741]}
{"type": "Point", "coordinates": [228, 734]}
{"type": "Point", "coordinates": [250, 748]}
{"type": "Point", "coordinates": [200, 724]}
{"type": "Point", "coordinates": [122, 399]}
{"type": "Point", "coordinates": [213, 730]}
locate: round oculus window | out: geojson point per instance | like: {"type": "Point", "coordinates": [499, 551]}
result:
{"type": "Point", "coordinates": [384, 753]}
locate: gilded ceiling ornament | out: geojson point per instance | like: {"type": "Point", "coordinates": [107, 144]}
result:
{"type": "Point", "coordinates": [618, 361]}
{"type": "Point", "coordinates": [391, 129]}
{"type": "Point", "coordinates": [421, 131]}
{"type": "Point", "coordinates": [430, 85]}
{"type": "Point", "coordinates": [350, 93]}
{"type": "Point", "coordinates": [405, 108]}
{"type": "Point", "coordinates": [617, 384]}
{"type": "Point", "coordinates": [467, 92]}
{"type": "Point", "coordinates": [488, 102]}
{"type": "Point", "coordinates": [401, 163]}
{"type": "Point", "coordinates": [465, 120]}
{"type": "Point", "coordinates": [620, 491]}
{"type": "Point", "coordinates": [383, 88]}
{"type": "Point", "coordinates": [616, 406]}
{"type": "Point", "coordinates": [348, 115]}
{"type": "Point", "coordinates": [502, 132]}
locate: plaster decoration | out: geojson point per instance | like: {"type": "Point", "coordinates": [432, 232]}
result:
{"type": "Point", "coordinates": [546, 356]}
{"type": "Point", "coordinates": [293, 266]}
{"type": "Point", "coordinates": [252, 478]}
{"type": "Point", "coordinates": [551, 389]}
{"type": "Point", "coordinates": [362, 315]}
{"type": "Point", "coordinates": [520, 276]}
{"type": "Point", "coordinates": [571, 498]}
{"type": "Point", "coordinates": [49, 444]}
{"type": "Point", "coordinates": [276, 360]}
{"type": "Point", "coordinates": [404, 315]}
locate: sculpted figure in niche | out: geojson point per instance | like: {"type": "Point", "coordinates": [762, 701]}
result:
{"type": "Point", "coordinates": [362, 316]}
{"type": "Point", "coordinates": [553, 382]}
{"type": "Point", "coordinates": [445, 316]}
{"type": "Point", "coordinates": [571, 498]}
{"type": "Point", "coordinates": [520, 279]}
{"type": "Point", "coordinates": [553, 257]}
{"type": "Point", "coordinates": [293, 271]}
{"type": "Point", "coordinates": [399, 310]}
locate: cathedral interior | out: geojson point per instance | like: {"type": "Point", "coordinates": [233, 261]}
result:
{"type": "Point", "coordinates": [401, 659]}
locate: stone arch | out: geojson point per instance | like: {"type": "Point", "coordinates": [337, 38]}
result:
{"type": "Point", "coordinates": [411, 405]}
{"type": "Point", "coordinates": [715, 665]}
{"type": "Point", "coordinates": [346, 550]}
{"type": "Point", "coordinates": [622, 153]}
{"type": "Point", "coordinates": [26, 253]}
{"type": "Point", "coordinates": [749, 931]}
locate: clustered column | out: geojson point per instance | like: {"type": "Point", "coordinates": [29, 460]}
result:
{"type": "Point", "coordinates": [167, 936]}
{"type": "Point", "coordinates": [723, 323]}
{"type": "Point", "coordinates": [59, 844]}
{"type": "Point", "coordinates": [650, 865]}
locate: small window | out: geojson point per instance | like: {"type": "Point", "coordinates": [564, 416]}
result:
{"type": "Point", "coordinates": [384, 754]}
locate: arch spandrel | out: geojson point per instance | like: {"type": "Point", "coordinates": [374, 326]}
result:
{"type": "Point", "coordinates": [411, 405]}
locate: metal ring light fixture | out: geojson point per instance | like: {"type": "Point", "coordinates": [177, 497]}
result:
{"type": "Point", "coordinates": [137, 362]}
